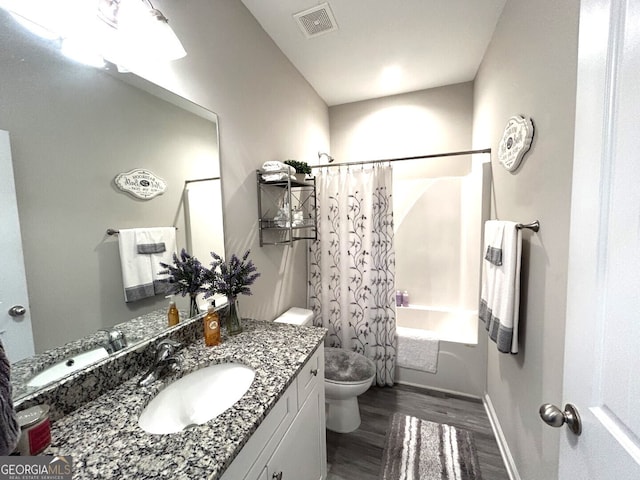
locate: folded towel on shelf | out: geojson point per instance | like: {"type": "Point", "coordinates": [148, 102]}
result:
{"type": "Point", "coordinates": [140, 275]}
{"type": "Point", "coordinates": [9, 428]}
{"type": "Point", "coordinates": [417, 349]}
{"type": "Point", "coordinates": [274, 166]}
{"type": "Point", "coordinates": [277, 177]}
{"type": "Point", "coordinates": [500, 293]}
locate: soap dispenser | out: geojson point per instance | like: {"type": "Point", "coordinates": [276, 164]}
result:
{"type": "Point", "coordinates": [212, 327]}
{"type": "Point", "coordinates": [173, 315]}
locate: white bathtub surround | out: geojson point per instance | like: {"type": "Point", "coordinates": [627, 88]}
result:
{"type": "Point", "coordinates": [418, 349]}
{"type": "Point", "coordinates": [352, 264]}
{"type": "Point", "coordinates": [448, 324]}
{"type": "Point", "coordinates": [500, 297]}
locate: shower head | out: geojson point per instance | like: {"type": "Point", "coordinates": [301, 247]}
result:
{"type": "Point", "coordinates": [329, 157]}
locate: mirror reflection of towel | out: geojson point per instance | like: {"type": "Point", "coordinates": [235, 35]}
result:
{"type": "Point", "coordinates": [140, 270]}
{"type": "Point", "coordinates": [9, 429]}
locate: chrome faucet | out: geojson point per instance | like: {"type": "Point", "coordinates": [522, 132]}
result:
{"type": "Point", "coordinates": [117, 340]}
{"type": "Point", "coordinates": [165, 358]}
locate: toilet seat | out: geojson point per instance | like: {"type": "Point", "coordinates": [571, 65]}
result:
{"type": "Point", "coordinates": [344, 366]}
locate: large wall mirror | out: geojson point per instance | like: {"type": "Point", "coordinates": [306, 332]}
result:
{"type": "Point", "coordinates": [72, 129]}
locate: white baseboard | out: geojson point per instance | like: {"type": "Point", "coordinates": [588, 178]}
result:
{"type": "Point", "coordinates": [507, 458]}
{"type": "Point", "coordinates": [443, 390]}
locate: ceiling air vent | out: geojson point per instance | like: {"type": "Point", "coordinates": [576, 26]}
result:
{"type": "Point", "coordinates": [316, 21]}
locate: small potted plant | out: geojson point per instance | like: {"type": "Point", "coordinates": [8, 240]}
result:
{"type": "Point", "coordinates": [302, 169]}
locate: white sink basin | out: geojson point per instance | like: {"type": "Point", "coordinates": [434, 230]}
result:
{"type": "Point", "coordinates": [67, 366]}
{"type": "Point", "coordinates": [196, 398]}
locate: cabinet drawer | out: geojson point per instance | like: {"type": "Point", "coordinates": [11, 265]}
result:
{"type": "Point", "coordinates": [310, 375]}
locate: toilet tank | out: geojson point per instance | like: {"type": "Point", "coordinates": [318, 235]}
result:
{"type": "Point", "coordinates": [296, 316]}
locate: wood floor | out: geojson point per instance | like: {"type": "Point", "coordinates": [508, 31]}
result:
{"type": "Point", "coordinates": [358, 455]}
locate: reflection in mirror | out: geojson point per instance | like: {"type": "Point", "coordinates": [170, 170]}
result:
{"type": "Point", "coordinates": [72, 129]}
{"type": "Point", "coordinates": [204, 224]}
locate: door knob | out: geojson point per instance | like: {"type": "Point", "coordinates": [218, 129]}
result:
{"type": "Point", "coordinates": [552, 415]}
{"type": "Point", "coordinates": [17, 311]}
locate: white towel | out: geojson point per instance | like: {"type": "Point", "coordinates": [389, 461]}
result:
{"type": "Point", "coordinates": [140, 275]}
{"type": "Point", "coordinates": [500, 296]}
{"type": "Point", "coordinates": [274, 166]}
{"type": "Point", "coordinates": [417, 349]}
{"type": "Point", "coordinates": [276, 177]}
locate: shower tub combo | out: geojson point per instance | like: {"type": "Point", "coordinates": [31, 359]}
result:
{"type": "Point", "coordinates": [438, 215]}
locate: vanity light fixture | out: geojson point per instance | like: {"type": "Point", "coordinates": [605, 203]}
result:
{"type": "Point", "coordinates": [143, 28]}
{"type": "Point", "coordinates": [124, 32]}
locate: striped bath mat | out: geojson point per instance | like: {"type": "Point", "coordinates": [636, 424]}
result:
{"type": "Point", "coordinates": [416, 449]}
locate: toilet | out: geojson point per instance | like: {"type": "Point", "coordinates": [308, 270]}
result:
{"type": "Point", "coordinates": [347, 375]}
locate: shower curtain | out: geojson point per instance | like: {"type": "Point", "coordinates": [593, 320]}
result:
{"type": "Point", "coordinates": [352, 264]}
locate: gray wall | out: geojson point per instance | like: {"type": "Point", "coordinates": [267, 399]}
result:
{"type": "Point", "coordinates": [530, 69]}
{"type": "Point", "coordinates": [428, 121]}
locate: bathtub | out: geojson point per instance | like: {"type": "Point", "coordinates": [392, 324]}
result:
{"type": "Point", "coordinates": [447, 324]}
{"type": "Point", "coordinates": [461, 357]}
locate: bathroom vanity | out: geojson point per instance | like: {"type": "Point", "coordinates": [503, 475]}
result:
{"type": "Point", "coordinates": [276, 430]}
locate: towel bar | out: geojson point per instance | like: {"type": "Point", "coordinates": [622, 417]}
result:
{"type": "Point", "coordinates": [113, 231]}
{"type": "Point", "coordinates": [535, 226]}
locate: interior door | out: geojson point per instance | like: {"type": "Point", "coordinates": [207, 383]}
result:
{"type": "Point", "coordinates": [602, 355]}
{"type": "Point", "coordinates": [15, 321]}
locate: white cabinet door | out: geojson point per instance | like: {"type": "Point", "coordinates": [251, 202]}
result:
{"type": "Point", "coordinates": [299, 455]}
{"type": "Point", "coordinates": [15, 330]}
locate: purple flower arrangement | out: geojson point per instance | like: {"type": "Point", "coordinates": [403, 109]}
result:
{"type": "Point", "coordinates": [187, 276]}
{"type": "Point", "coordinates": [230, 278]}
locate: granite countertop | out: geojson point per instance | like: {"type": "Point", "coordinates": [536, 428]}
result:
{"type": "Point", "coordinates": [104, 439]}
{"type": "Point", "coordinates": [135, 330]}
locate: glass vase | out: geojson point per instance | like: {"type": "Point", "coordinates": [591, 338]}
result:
{"type": "Point", "coordinates": [193, 307]}
{"type": "Point", "coordinates": [232, 319]}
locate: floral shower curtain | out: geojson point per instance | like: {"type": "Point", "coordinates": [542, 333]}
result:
{"type": "Point", "coordinates": [352, 264]}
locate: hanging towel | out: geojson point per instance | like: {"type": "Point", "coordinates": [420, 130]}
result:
{"type": "Point", "coordinates": [417, 349]}
{"type": "Point", "coordinates": [493, 253]}
{"type": "Point", "coordinates": [140, 271]}
{"type": "Point", "coordinates": [9, 429]}
{"type": "Point", "coordinates": [500, 295]}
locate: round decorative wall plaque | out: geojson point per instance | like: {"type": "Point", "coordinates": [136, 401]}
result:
{"type": "Point", "coordinates": [515, 143]}
{"type": "Point", "coordinates": [141, 183]}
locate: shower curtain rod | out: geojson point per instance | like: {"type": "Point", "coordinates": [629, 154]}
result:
{"type": "Point", "coordinates": [437, 155]}
{"type": "Point", "coordinates": [186, 182]}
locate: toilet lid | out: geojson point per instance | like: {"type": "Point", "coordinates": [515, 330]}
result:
{"type": "Point", "coordinates": [344, 366]}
